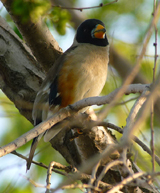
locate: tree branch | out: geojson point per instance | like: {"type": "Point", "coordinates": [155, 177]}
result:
{"type": "Point", "coordinates": [62, 114]}
{"type": "Point", "coordinates": [81, 8]}
{"type": "Point", "coordinates": [20, 75]}
{"type": "Point", "coordinates": [37, 36]}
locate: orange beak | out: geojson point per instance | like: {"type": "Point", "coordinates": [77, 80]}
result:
{"type": "Point", "coordinates": [98, 32]}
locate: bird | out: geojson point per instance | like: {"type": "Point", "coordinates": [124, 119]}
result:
{"type": "Point", "coordinates": [80, 72]}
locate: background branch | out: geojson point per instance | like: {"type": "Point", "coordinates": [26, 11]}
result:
{"type": "Point", "coordinates": [62, 114]}
{"type": "Point", "coordinates": [21, 80]}
{"type": "Point", "coordinates": [37, 36]}
{"type": "Point", "coordinates": [81, 8]}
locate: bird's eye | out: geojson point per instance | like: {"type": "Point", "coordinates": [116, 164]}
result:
{"type": "Point", "coordinates": [85, 30]}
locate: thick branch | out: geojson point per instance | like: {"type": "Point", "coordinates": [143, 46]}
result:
{"type": "Point", "coordinates": [21, 80]}
{"type": "Point", "coordinates": [62, 114]}
{"type": "Point", "coordinates": [20, 75]}
{"type": "Point", "coordinates": [38, 37]}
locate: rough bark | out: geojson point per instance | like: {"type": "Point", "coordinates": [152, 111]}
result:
{"type": "Point", "coordinates": [21, 76]}
{"type": "Point", "coordinates": [38, 37]}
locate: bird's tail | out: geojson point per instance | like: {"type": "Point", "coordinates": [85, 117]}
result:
{"type": "Point", "coordinates": [32, 150]}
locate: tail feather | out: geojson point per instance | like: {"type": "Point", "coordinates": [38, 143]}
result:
{"type": "Point", "coordinates": [32, 150]}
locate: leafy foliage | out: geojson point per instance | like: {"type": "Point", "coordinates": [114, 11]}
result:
{"type": "Point", "coordinates": [30, 9]}
{"type": "Point", "coordinates": [126, 23]}
{"type": "Point", "coordinates": [59, 18]}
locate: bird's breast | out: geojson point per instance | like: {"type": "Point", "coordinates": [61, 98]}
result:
{"type": "Point", "coordinates": [83, 73]}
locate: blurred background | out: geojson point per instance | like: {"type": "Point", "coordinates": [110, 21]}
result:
{"type": "Point", "coordinates": [127, 23]}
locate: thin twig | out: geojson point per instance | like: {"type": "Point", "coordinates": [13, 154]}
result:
{"type": "Point", "coordinates": [65, 112]}
{"type": "Point", "coordinates": [154, 94]}
{"type": "Point", "coordinates": [125, 181]}
{"type": "Point", "coordinates": [61, 167]}
{"type": "Point", "coordinates": [131, 119]}
{"type": "Point", "coordinates": [152, 105]}
{"type": "Point", "coordinates": [49, 173]}
{"type": "Point", "coordinates": [116, 86]}
{"type": "Point", "coordinates": [93, 176]}
{"type": "Point", "coordinates": [127, 101]}
{"type": "Point", "coordinates": [152, 136]}
{"type": "Point", "coordinates": [135, 70]}
{"type": "Point", "coordinates": [82, 176]}
{"type": "Point", "coordinates": [155, 45]}
{"type": "Point", "coordinates": [81, 187]}
{"type": "Point", "coordinates": [136, 139]}
{"type": "Point", "coordinates": [105, 169]}
{"type": "Point", "coordinates": [128, 134]}
{"type": "Point", "coordinates": [145, 148]}
{"type": "Point", "coordinates": [33, 182]}
{"type": "Point", "coordinates": [82, 8]}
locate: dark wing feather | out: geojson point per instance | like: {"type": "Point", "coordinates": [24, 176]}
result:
{"type": "Point", "coordinates": [54, 97]}
{"type": "Point", "coordinates": [47, 95]}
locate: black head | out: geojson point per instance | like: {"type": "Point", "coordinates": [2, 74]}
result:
{"type": "Point", "coordinates": [92, 31]}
